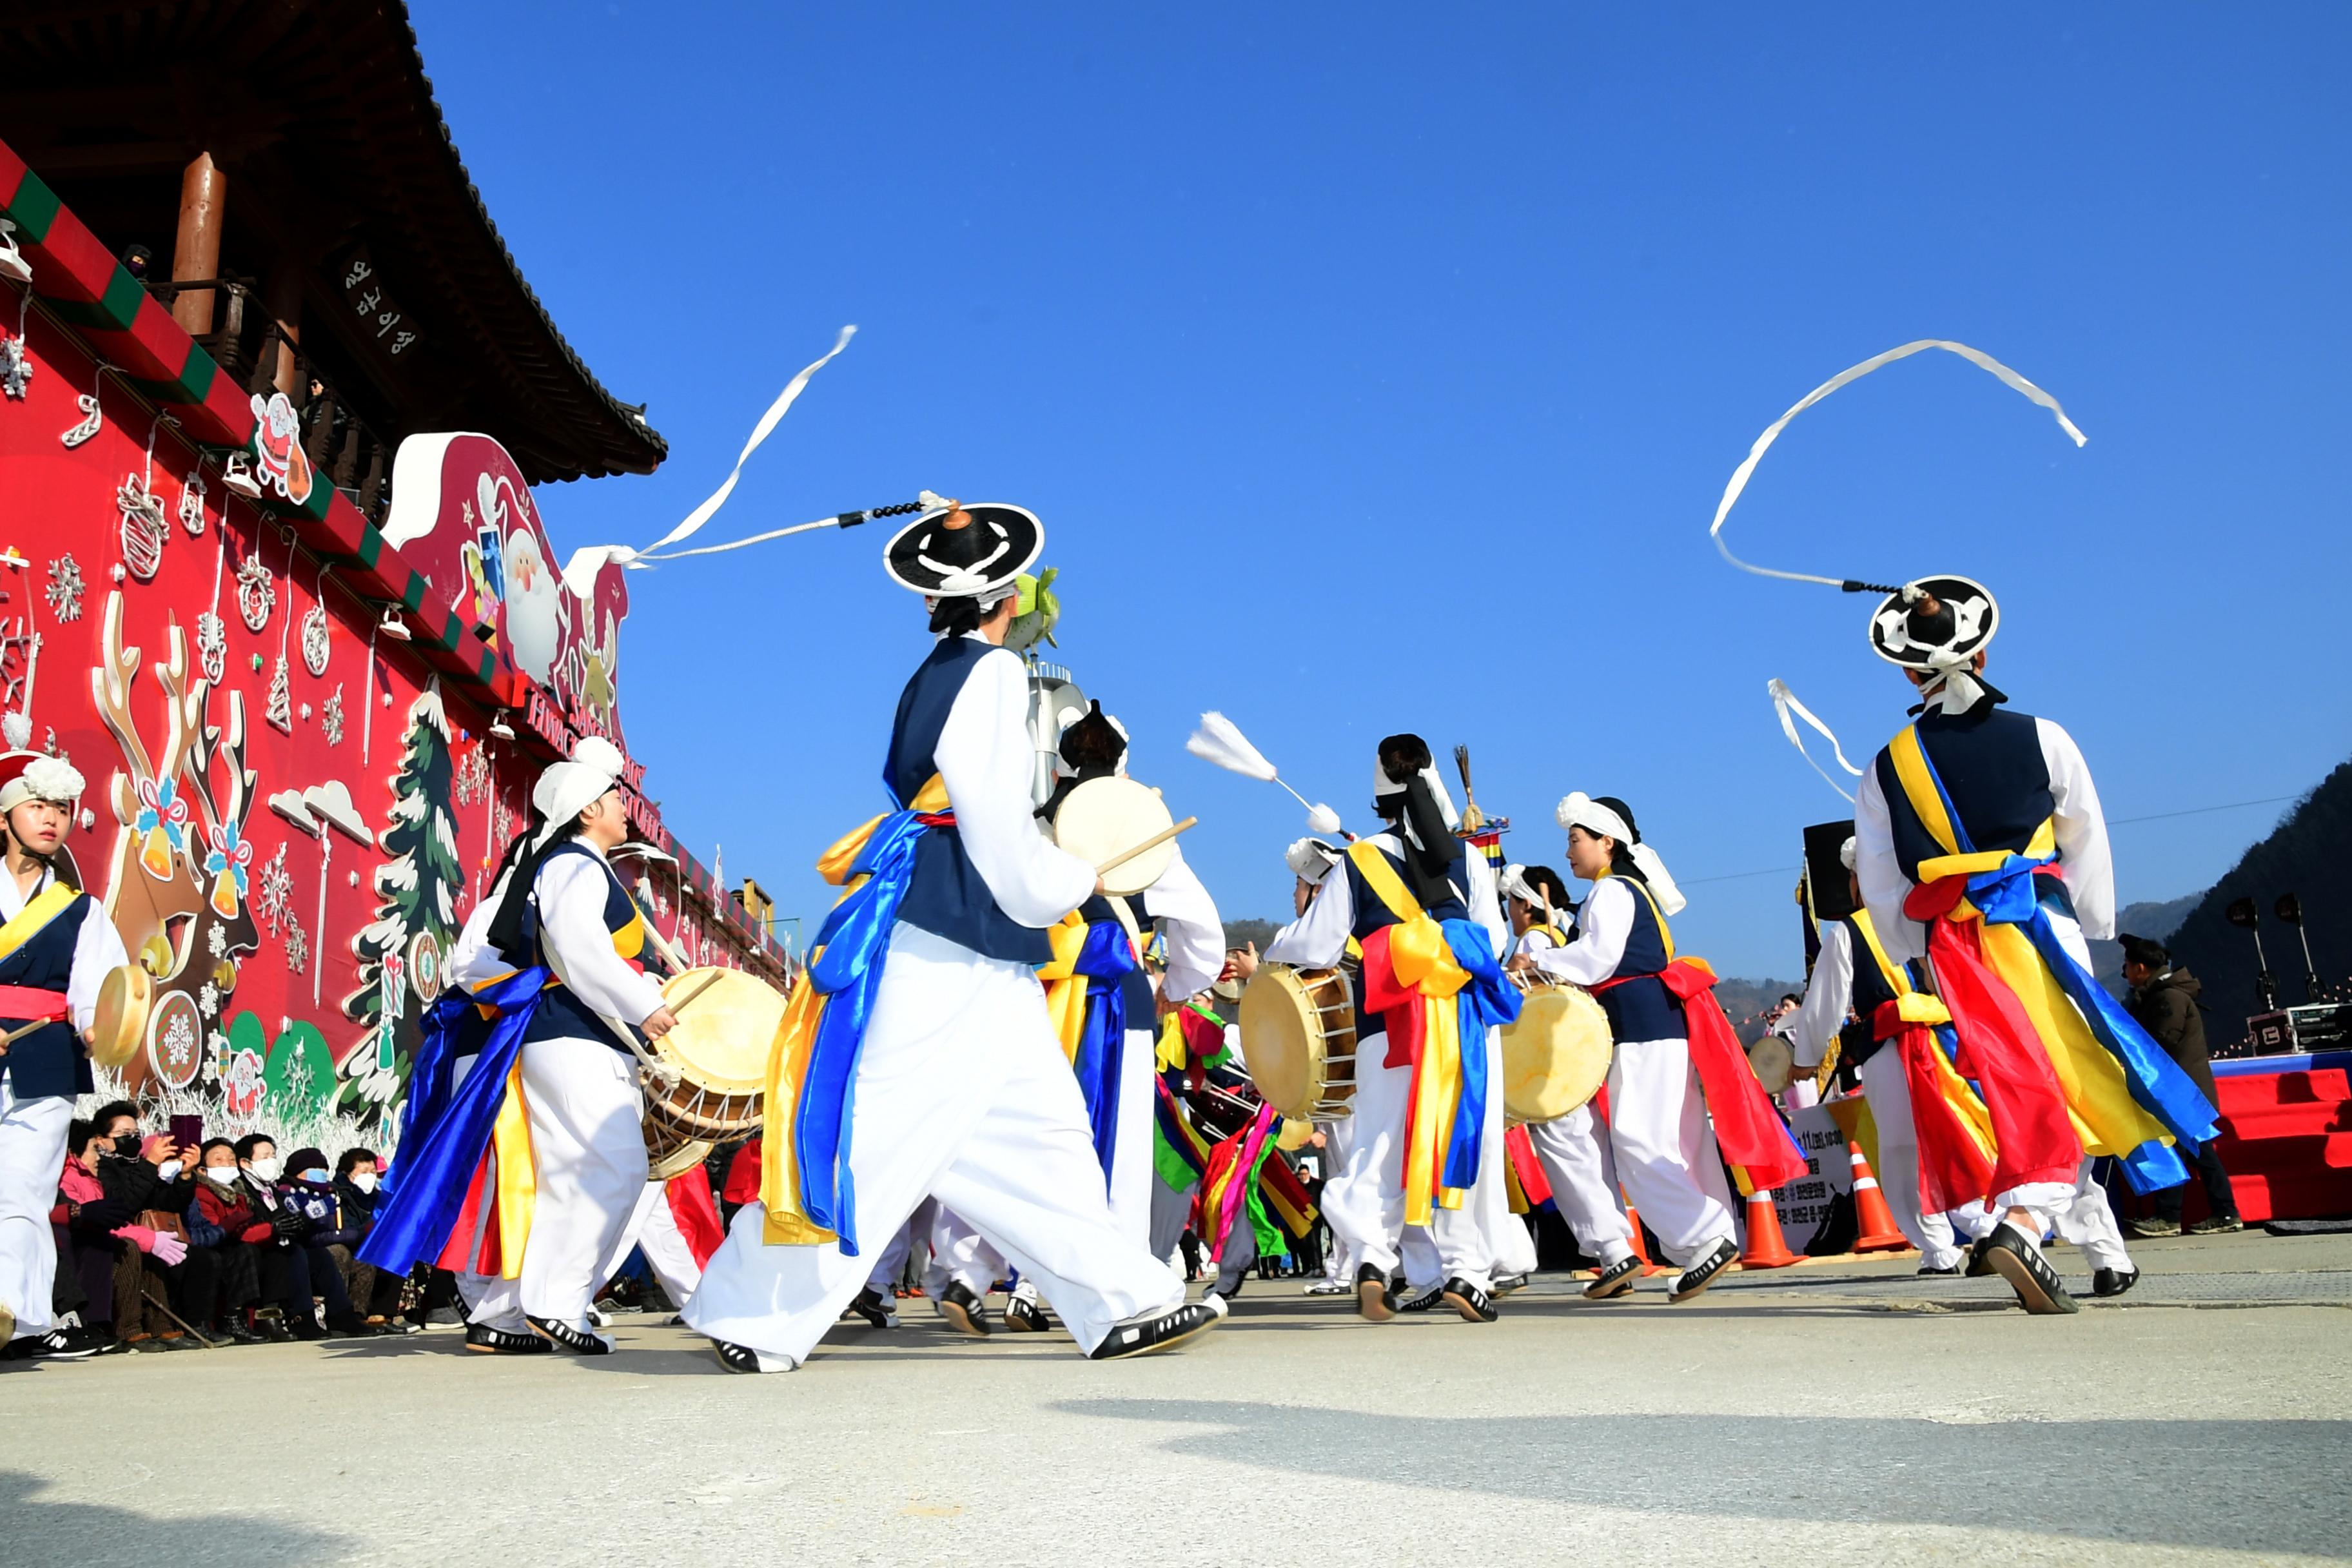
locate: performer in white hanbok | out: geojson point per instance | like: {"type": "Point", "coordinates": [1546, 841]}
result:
{"type": "Point", "coordinates": [1416, 878]}
{"type": "Point", "coordinates": [1573, 1149]}
{"type": "Point", "coordinates": [920, 1055]}
{"type": "Point", "coordinates": [56, 947]}
{"type": "Point", "coordinates": [561, 1048]}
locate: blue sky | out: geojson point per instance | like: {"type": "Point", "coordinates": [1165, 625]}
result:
{"type": "Point", "coordinates": [1378, 367]}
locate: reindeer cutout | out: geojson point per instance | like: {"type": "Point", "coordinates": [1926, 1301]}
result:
{"type": "Point", "coordinates": [225, 929]}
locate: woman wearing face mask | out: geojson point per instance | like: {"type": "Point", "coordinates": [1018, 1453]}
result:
{"type": "Point", "coordinates": [374, 1292]}
{"type": "Point", "coordinates": [222, 1221]}
{"type": "Point", "coordinates": [147, 1186]}
{"type": "Point", "coordinates": [308, 1192]}
{"type": "Point", "coordinates": [285, 1267]}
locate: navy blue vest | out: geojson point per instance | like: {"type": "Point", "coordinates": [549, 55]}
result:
{"type": "Point", "coordinates": [1991, 764]}
{"type": "Point", "coordinates": [1372, 914]}
{"type": "Point", "coordinates": [49, 1061]}
{"type": "Point", "coordinates": [1858, 1041]}
{"type": "Point", "coordinates": [560, 1014]}
{"type": "Point", "coordinates": [947, 896]}
{"type": "Point", "coordinates": [1642, 1008]}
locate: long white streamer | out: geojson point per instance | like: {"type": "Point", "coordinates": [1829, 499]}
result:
{"type": "Point", "coordinates": [1740, 474]}
{"type": "Point", "coordinates": [580, 571]}
{"type": "Point", "coordinates": [1785, 703]}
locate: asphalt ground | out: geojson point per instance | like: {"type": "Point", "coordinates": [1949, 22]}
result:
{"type": "Point", "coordinates": [1842, 1414]}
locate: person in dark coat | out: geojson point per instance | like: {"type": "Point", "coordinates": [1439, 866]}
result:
{"type": "Point", "coordinates": [2164, 999]}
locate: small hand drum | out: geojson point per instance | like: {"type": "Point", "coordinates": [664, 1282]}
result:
{"type": "Point", "coordinates": [125, 997]}
{"type": "Point", "coordinates": [1556, 1054]}
{"type": "Point", "coordinates": [1299, 1041]}
{"type": "Point", "coordinates": [1103, 817]}
{"type": "Point", "coordinates": [719, 1047]}
{"type": "Point", "coordinates": [1773, 1064]}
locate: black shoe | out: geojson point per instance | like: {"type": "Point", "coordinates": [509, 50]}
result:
{"type": "Point", "coordinates": [1615, 1280]}
{"type": "Point", "coordinates": [1022, 1316]}
{"type": "Point", "coordinates": [270, 1326]}
{"type": "Point", "coordinates": [965, 1311]}
{"type": "Point", "coordinates": [236, 1331]}
{"type": "Point", "coordinates": [1506, 1283]}
{"type": "Point", "coordinates": [1952, 1269]}
{"type": "Point", "coordinates": [1422, 1301]}
{"type": "Point", "coordinates": [743, 1358]}
{"type": "Point", "coordinates": [2217, 1225]}
{"type": "Point", "coordinates": [1700, 1275]}
{"type": "Point", "coordinates": [869, 1305]}
{"type": "Point", "coordinates": [1160, 1330]}
{"type": "Point", "coordinates": [1979, 1259]}
{"type": "Point", "coordinates": [306, 1328]}
{"type": "Point", "coordinates": [58, 1344]}
{"type": "Point", "coordinates": [350, 1326]}
{"type": "Point", "coordinates": [1373, 1298]}
{"type": "Point", "coordinates": [579, 1342]}
{"type": "Point", "coordinates": [2015, 1259]}
{"type": "Point", "coordinates": [498, 1341]}
{"type": "Point", "coordinates": [1475, 1305]}
{"type": "Point", "coordinates": [2113, 1281]}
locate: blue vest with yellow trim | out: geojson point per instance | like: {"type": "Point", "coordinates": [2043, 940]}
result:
{"type": "Point", "coordinates": [560, 1015]}
{"type": "Point", "coordinates": [1642, 1008]}
{"type": "Point", "coordinates": [1993, 767]}
{"type": "Point", "coordinates": [1371, 913]}
{"type": "Point", "coordinates": [1859, 1041]}
{"type": "Point", "coordinates": [947, 895]}
{"type": "Point", "coordinates": [49, 1061]}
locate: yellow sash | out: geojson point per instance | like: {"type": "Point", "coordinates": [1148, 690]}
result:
{"type": "Point", "coordinates": [1920, 1007]}
{"type": "Point", "coordinates": [1422, 961]}
{"type": "Point", "coordinates": [780, 1183]}
{"type": "Point", "coordinates": [34, 917]}
{"type": "Point", "coordinates": [2106, 1118]}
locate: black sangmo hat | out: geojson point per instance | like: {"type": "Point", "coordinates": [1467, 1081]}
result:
{"type": "Point", "coordinates": [1934, 622]}
{"type": "Point", "coordinates": [964, 552]}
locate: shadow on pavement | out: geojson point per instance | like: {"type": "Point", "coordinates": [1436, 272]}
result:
{"type": "Point", "coordinates": [2153, 1482]}
{"type": "Point", "coordinates": [98, 1535]}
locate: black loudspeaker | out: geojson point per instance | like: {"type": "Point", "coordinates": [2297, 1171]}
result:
{"type": "Point", "coordinates": [1825, 883]}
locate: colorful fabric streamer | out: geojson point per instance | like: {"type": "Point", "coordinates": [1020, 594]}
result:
{"type": "Point", "coordinates": [1088, 1007]}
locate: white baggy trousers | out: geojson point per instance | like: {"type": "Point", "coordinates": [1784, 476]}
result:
{"type": "Point", "coordinates": [1364, 1200]}
{"type": "Point", "coordinates": [588, 1145]}
{"type": "Point", "coordinates": [32, 1157]}
{"type": "Point", "coordinates": [964, 1094]}
{"type": "Point", "coordinates": [1665, 1148]}
{"type": "Point", "coordinates": [653, 1227]}
{"type": "Point", "coordinates": [1574, 1152]}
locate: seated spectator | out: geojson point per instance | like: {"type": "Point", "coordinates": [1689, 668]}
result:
{"type": "Point", "coordinates": [284, 1267]}
{"type": "Point", "coordinates": [145, 1190]}
{"type": "Point", "coordinates": [308, 1192]}
{"type": "Point", "coordinates": [84, 1220]}
{"type": "Point", "coordinates": [374, 1293]}
{"type": "Point", "coordinates": [222, 1220]}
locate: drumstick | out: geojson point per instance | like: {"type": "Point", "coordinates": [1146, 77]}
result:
{"type": "Point", "coordinates": [1154, 842]}
{"type": "Point", "coordinates": [708, 982]}
{"type": "Point", "coordinates": [21, 1030]}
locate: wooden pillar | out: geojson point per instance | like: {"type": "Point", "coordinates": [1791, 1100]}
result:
{"type": "Point", "coordinates": [282, 297]}
{"type": "Point", "coordinates": [196, 253]}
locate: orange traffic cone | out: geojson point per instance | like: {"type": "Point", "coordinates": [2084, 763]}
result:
{"type": "Point", "coordinates": [1766, 1248]}
{"type": "Point", "coordinates": [1870, 1211]}
{"type": "Point", "coordinates": [1640, 1248]}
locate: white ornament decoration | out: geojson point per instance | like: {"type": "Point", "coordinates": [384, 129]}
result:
{"type": "Point", "coordinates": [192, 504]}
{"type": "Point", "coordinates": [331, 718]}
{"type": "Point", "coordinates": [15, 368]}
{"type": "Point", "coordinates": [280, 711]}
{"type": "Point", "coordinates": [212, 645]}
{"type": "Point", "coordinates": [314, 639]}
{"type": "Point", "coordinates": [472, 780]}
{"type": "Point", "coordinates": [208, 1000]}
{"type": "Point", "coordinates": [298, 947]}
{"type": "Point", "coordinates": [66, 588]}
{"type": "Point", "coordinates": [92, 421]}
{"type": "Point", "coordinates": [217, 940]}
{"type": "Point", "coordinates": [144, 532]}
{"type": "Point", "coordinates": [273, 902]}
{"type": "Point", "coordinates": [257, 591]}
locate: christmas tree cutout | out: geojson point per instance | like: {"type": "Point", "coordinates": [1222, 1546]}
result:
{"type": "Point", "coordinates": [416, 888]}
{"type": "Point", "coordinates": [279, 710]}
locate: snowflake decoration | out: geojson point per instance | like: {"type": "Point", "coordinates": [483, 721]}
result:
{"type": "Point", "coordinates": [15, 368]}
{"type": "Point", "coordinates": [208, 1000]}
{"type": "Point", "coordinates": [298, 947]}
{"type": "Point", "coordinates": [179, 1042]}
{"type": "Point", "coordinates": [217, 940]}
{"type": "Point", "coordinates": [274, 904]}
{"type": "Point", "coordinates": [144, 530]}
{"type": "Point", "coordinates": [314, 639]}
{"type": "Point", "coordinates": [297, 1077]}
{"type": "Point", "coordinates": [256, 592]}
{"type": "Point", "coordinates": [280, 709]}
{"type": "Point", "coordinates": [66, 588]}
{"type": "Point", "coordinates": [192, 504]}
{"type": "Point", "coordinates": [331, 718]}
{"type": "Point", "coordinates": [473, 777]}
{"type": "Point", "coordinates": [501, 822]}
{"type": "Point", "coordinates": [212, 645]}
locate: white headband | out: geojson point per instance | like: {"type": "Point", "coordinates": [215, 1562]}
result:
{"type": "Point", "coordinates": [1311, 860]}
{"type": "Point", "coordinates": [1581, 810]}
{"type": "Point", "coordinates": [1514, 885]}
{"type": "Point", "coordinates": [1384, 785]}
{"type": "Point", "coordinates": [1845, 854]}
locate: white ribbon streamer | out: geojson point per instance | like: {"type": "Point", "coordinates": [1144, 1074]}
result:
{"type": "Point", "coordinates": [1785, 703]}
{"type": "Point", "coordinates": [580, 571]}
{"type": "Point", "coordinates": [1740, 474]}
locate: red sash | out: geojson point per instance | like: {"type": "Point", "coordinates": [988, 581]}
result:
{"type": "Point", "coordinates": [1747, 1128]}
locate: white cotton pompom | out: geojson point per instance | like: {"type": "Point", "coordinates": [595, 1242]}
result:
{"type": "Point", "coordinates": [1569, 807]}
{"type": "Point", "coordinates": [1323, 820]}
{"type": "Point", "coordinates": [1219, 741]}
{"type": "Point", "coordinates": [17, 731]}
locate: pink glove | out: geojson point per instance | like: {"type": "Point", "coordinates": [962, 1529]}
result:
{"type": "Point", "coordinates": [168, 1247]}
{"type": "Point", "coordinates": [139, 1235]}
